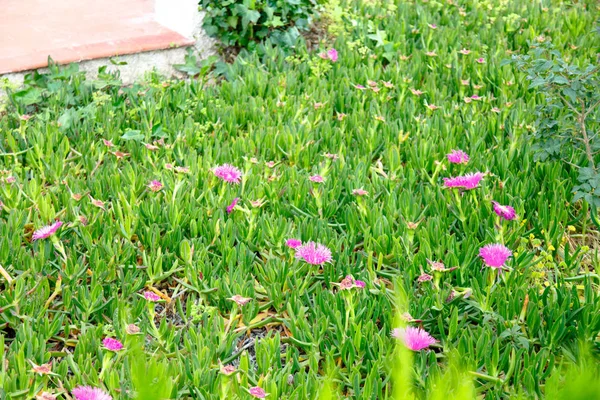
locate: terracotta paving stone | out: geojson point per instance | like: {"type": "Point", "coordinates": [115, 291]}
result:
{"type": "Point", "coordinates": [76, 30]}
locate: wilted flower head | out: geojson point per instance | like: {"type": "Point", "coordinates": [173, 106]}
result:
{"type": "Point", "coordinates": [45, 396]}
{"type": "Point", "coordinates": [408, 318]}
{"type": "Point", "coordinates": [155, 185]}
{"type": "Point", "coordinates": [316, 178]}
{"type": "Point", "coordinates": [458, 157]}
{"type": "Point", "coordinates": [414, 338]}
{"type": "Point", "coordinates": [240, 300]}
{"type": "Point", "coordinates": [97, 203]}
{"type": "Point", "coordinates": [112, 344]}
{"type": "Point", "coordinates": [468, 181]}
{"type": "Point", "coordinates": [258, 203]}
{"type": "Point", "coordinates": [464, 51]}
{"type": "Point", "coordinates": [120, 154]}
{"type": "Point", "coordinates": [232, 205]}
{"type": "Point", "coordinates": [151, 296]}
{"type": "Point", "coordinates": [436, 265]}
{"type": "Point", "coordinates": [46, 231]}
{"type": "Point", "coordinates": [424, 278]}
{"type": "Point", "coordinates": [43, 369]}
{"type": "Point", "coordinates": [90, 393]}
{"type": "Point", "coordinates": [293, 243]}
{"type": "Point", "coordinates": [313, 253]}
{"type": "Point", "coordinates": [132, 329]}
{"type": "Point", "coordinates": [494, 255]}
{"type": "Point", "coordinates": [349, 283]}
{"type": "Point", "coordinates": [151, 146]}
{"type": "Point", "coordinates": [506, 212]}
{"type": "Point", "coordinates": [227, 369]}
{"type": "Point", "coordinates": [228, 173]}
{"type": "Point", "coordinates": [257, 392]}
{"type": "Point", "coordinates": [360, 192]}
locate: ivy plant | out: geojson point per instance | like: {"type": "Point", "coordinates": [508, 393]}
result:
{"type": "Point", "coordinates": [245, 23]}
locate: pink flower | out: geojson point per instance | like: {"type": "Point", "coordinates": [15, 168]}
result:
{"type": "Point", "coordinates": [468, 181]}
{"type": "Point", "coordinates": [151, 296]}
{"type": "Point", "coordinates": [90, 393]}
{"type": "Point", "coordinates": [360, 284]}
{"type": "Point", "coordinates": [359, 87]}
{"type": "Point", "coordinates": [112, 344]}
{"type": "Point", "coordinates": [228, 173]}
{"type": "Point", "coordinates": [257, 392]}
{"type": "Point", "coordinates": [506, 212]}
{"type": "Point", "coordinates": [46, 231]}
{"type": "Point", "coordinates": [360, 192]}
{"type": "Point", "coordinates": [414, 338]}
{"type": "Point", "coordinates": [458, 157]}
{"type": "Point", "coordinates": [316, 178]}
{"type": "Point", "coordinates": [332, 54]}
{"type": "Point", "coordinates": [424, 278]}
{"type": "Point", "coordinates": [155, 185]}
{"type": "Point", "coordinates": [481, 60]}
{"type": "Point", "coordinates": [494, 255]}
{"type": "Point", "coordinates": [464, 51]}
{"type": "Point", "coordinates": [232, 205]}
{"type": "Point", "coordinates": [293, 243]}
{"type": "Point", "coordinates": [313, 253]}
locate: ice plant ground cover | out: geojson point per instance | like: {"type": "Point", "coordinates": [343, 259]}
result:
{"type": "Point", "coordinates": [169, 240]}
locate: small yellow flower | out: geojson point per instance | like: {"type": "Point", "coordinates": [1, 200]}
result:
{"type": "Point", "coordinates": [551, 248]}
{"type": "Point", "coordinates": [571, 228]}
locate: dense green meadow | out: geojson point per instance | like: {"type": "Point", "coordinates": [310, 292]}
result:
{"type": "Point", "coordinates": [206, 295]}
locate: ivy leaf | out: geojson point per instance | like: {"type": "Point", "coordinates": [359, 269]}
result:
{"type": "Point", "coordinates": [379, 37]}
{"type": "Point", "coordinates": [133, 135]}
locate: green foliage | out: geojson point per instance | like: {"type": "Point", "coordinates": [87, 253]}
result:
{"type": "Point", "coordinates": [382, 118]}
{"type": "Point", "coordinates": [568, 121]}
{"type": "Point", "coordinates": [244, 23]}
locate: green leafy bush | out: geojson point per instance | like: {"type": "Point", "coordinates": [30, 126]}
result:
{"type": "Point", "coordinates": [246, 22]}
{"type": "Point", "coordinates": [568, 119]}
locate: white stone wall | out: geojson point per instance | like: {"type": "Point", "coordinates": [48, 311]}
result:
{"type": "Point", "coordinates": [181, 16]}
